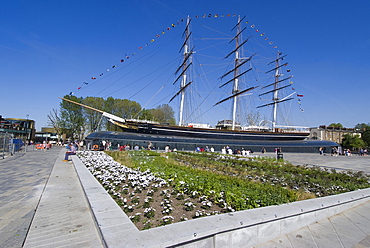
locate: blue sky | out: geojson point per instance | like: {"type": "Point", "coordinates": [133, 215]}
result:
{"type": "Point", "coordinates": [50, 48]}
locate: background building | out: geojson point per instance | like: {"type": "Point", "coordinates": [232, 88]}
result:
{"type": "Point", "coordinates": [48, 134]}
{"type": "Point", "coordinates": [23, 129]}
{"type": "Point", "coordinates": [331, 133]}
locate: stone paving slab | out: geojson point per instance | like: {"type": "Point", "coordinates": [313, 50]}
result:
{"type": "Point", "coordinates": [22, 180]}
{"type": "Point", "coordinates": [348, 229]}
{"type": "Point", "coordinates": [42, 203]}
{"type": "Point", "coordinates": [354, 162]}
{"type": "Point", "coordinates": [63, 217]}
{"type": "Point", "coordinates": [341, 230]}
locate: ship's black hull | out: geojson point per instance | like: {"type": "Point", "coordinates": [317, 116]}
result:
{"type": "Point", "coordinates": [203, 133]}
{"type": "Point", "coordinates": [190, 143]}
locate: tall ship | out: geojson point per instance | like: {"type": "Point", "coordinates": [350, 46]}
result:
{"type": "Point", "coordinates": [186, 135]}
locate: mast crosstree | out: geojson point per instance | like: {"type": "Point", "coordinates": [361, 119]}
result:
{"type": "Point", "coordinates": [238, 62]}
{"type": "Point", "coordinates": [276, 88]}
{"type": "Point", "coordinates": [187, 62]}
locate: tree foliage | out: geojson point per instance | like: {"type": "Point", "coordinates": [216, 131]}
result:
{"type": "Point", "coordinates": [364, 129]}
{"type": "Point", "coordinates": [56, 122]}
{"type": "Point", "coordinates": [337, 125]}
{"type": "Point", "coordinates": [164, 114]}
{"type": "Point", "coordinates": [352, 141]}
{"type": "Point", "coordinates": [120, 107]}
{"type": "Point", "coordinates": [92, 117]}
{"type": "Point", "coordinates": [362, 126]}
{"type": "Point", "coordinates": [74, 119]}
{"type": "Point", "coordinates": [253, 119]}
{"type": "Point", "coordinates": [146, 114]}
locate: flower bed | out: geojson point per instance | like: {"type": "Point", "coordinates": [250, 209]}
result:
{"type": "Point", "coordinates": [158, 189]}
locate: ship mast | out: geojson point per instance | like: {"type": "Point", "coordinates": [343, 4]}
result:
{"type": "Point", "coordinates": [183, 81]}
{"type": "Point", "coordinates": [187, 61]}
{"type": "Point", "coordinates": [236, 72]}
{"type": "Point", "coordinates": [238, 62]}
{"type": "Point", "coordinates": [276, 88]}
{"type": "Point", "coordinates": [275, 93]}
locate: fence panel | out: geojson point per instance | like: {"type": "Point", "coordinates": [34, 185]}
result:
{"type": "Point", "coordinates": [6, 145]}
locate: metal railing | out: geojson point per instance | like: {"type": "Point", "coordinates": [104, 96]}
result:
{"type": "Point", "coordinates": [6, 146]}
{"type": "Point", "coordinates": [9, 145]}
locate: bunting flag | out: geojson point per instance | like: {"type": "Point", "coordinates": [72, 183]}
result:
{"type": "Point", "coordinates": [158, 35]}
{"type": "Point", "coordinates": [173, 25]}
{"type": "Point", "coordinates": [261, 34]}
{"type": "Point", "coordinates": [299, 104]}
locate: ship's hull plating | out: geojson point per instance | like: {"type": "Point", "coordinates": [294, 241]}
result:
{"type": "Point", "coordinates": [203, 133]}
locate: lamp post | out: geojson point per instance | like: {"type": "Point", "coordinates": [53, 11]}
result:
{"type": "Point", "coordinates": [27, 133]}
{"type": "Point", "coordinates": [27, 127]}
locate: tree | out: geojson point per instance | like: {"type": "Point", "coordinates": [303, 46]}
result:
{"type": "Point", "coordinates": [146, 114]}
{"type": "Point", "coordinates": [71, 116]}
{"type": "Point", "coordinates": [362, 126]}
{"type": "Point", "coordinates": [164, 114]}
{"type": "Point", "coordinates": [92, 117]}
{"type": "Point", "coordinates": [364, 129]}
{"type": "Point", "coordinates": [130, 109]}
{"type": "Point", "coordinates": [56, 122]}
{"type": "Point", "coordinates": [337, 125]}
{"type": "Point", "coordinates": [253, 119]}
{"type": "Point", "coordinates": [366, 137]}
{"type": "Point", "coordinates": [122, 108]}
{"type": "Point", "coordinates": [353, 142]}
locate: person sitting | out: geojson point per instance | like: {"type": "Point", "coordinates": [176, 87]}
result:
{"type": "Point", "coordinates": [71, 151]}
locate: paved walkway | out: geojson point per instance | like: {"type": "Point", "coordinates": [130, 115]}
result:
{"type": "Point", "coordinates": [42, 203]}
{"type": "Point", "coordinates": [348, 229]}
{"type": "Point", "coordinates": [354, 162]}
